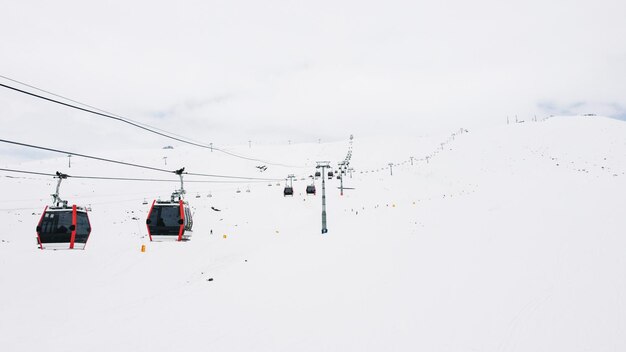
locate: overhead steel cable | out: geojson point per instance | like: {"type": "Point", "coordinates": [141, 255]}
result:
{"type": "Point", "coordinates": [107, 178]}
{"type": "Point", "coordinates": [151, 129]}
{"type": "Point", "coordinates": [91, 106]}
{"type": "Point", "coordinates": [132, 164]}
{"type": "Point", "coordinates": [85, 156]}
{"type": "Point", "coordinates": [124, 120]}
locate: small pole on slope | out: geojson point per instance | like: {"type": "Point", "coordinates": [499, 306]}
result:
{"type": "Point", "coordinates": [211, 145]}
{"type": "Point", "coordinates": [411, 161]}
{"type": "Point", "coordinates": [391, 168]}
{"type": "Point", "coordinates": [69, 160]}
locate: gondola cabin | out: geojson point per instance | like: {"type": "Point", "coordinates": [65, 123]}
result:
{"type": "Point", "coordinates": [169, 221]}
{"type": "Point", "coordinates": [330, 174]}
{"type": "Point", "coordinates": [318, 174]}
{"type": "Point", "coordinates": [288, 191]}
{"type": "Point", "coordinates": [310, 189]}
{"type": "Point", "coordinates": [63, 228]}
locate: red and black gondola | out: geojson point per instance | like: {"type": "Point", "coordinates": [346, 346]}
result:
{"type": "Point", "coordinates": [169, 221]}
{"type": "Point", "coordinates": [62, 226]}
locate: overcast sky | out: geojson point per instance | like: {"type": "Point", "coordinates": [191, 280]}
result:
{"type": "Point", "coordinates": [228, 71]}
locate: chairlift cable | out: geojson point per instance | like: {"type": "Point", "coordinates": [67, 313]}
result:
{"type": "Point", "coordinates": [107, 178]}
{"type": "Point", "coordinates": [129, 164]}
{"type": "Point", "coordinates": [103, 113]}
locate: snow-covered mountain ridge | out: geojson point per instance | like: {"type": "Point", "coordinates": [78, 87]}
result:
{"type": "Point", "coordinates": [509, 238]}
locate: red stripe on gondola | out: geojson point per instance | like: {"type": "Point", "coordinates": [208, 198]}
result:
{"type": "Point", "coordinates": [88, 234]}
{"type": "Point", "coordinates": [150, 213]}
{"type": "Point", "coordinates": [39, 226]}
{"type": "Point", "coordinates": [182, 216]}
{"type": "Point", "coordinates": [73, 238]}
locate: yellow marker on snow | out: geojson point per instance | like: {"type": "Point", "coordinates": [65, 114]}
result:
{"type": "Point", "coordinates": [143, 248]}
{"type": "Point", "coordinates": [225, 236]}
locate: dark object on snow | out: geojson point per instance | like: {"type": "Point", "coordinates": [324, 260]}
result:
{"type": "Point", "coordinates": [210, 279]}
{"type": "Point", "coordinates": [215, 209]}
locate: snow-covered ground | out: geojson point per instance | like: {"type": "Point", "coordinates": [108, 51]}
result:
{"type": "Point", "coordinates": [511, 238]}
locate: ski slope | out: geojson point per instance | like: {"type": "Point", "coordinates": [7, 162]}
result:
{"type": "Point", "coordinates": [509, 238]}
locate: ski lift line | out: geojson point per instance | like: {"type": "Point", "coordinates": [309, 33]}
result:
{"type": "Point", "coordinates": [150, 129]}
{"type": "Point", "coordinates": [124, 120]}
{"type": "Point", "coordinates": [85, 156]}
{"type": "Point", "coordinates": [129, 164]}
{"type": "Point", "coordinates": [106, 178]}
{"type": "Point", "coordinates": [90, 106]}
{"type": "Point", "coordinates": [235, 177]}
{"type": "Point", "coordinates": [258, 160]}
